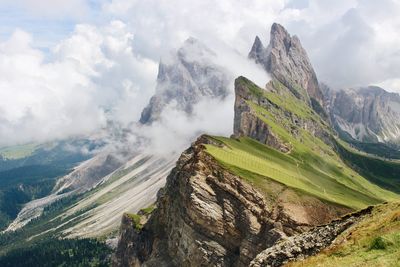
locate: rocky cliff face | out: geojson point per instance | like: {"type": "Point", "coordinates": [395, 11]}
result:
{"type": "Point", "coordinates": [287, 61]}
{"type": "Point", "coordinates": [298, 247]}
{"type": "Point", "coordinates": [248, 123]}
{"type": "Point", "coordinates": [207, 216]}
{"type": "Point", "coordinates": [185, 78]}
{"type": "Point", "coordinates": [367, 114]}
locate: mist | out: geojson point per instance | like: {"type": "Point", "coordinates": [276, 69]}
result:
{"type": "Point", "coordinates": [105, 68]}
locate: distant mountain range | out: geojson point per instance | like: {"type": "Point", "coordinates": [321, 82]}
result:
{"type": "Point", "coordinates": [283, 187]}
{"type": "Point", "coordinates": [302, 166]}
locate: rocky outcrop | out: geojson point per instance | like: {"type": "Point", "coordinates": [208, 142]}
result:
{"type": "Point", "coordinates": [366, 114]}
{"type": "Point", "coordinates": [207, 216]}
{"type": "Point", "coordinates": [303, 245]}
{"type": "Point", "coordinates": [247, 122]}
{"type": "Point", "coordinates": [131, 238]}
{"type": "Point", "coordinates": [287, 61]}
{"type": "Point", "coordinates": [185, 78]}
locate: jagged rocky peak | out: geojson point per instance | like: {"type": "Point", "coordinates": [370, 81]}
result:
{"type": "Point", "coordinates": [366, 114]}
{"type": "Point", "coordinates": [207, 215]}
{"type": "Point", "coordinates": [184, 78]}
{"type": "Point", "coordinates": [287, 61]}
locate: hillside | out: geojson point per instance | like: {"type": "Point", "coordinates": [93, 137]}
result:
{"type": "Point", "coordinates": [230, 199]}
{"type": "Point", "coordinates": [311, 165]}
{"type": "Point", "coordinates": [374, 241]}
{"type": "Point", "coordinates": [281, 188]}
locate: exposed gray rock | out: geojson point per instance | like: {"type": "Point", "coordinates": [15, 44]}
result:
{"type": "Point", "coordinates": [303, 245]}
{"type": "Point", "coordinates": [368, 114]}
{"type": "Point", "coordinates": [185, 78]}
{"type": "Point", "coordinates": [247, 123]}
{"type": "Point", "coordinates": [205, 216]}
{"type": "Point", "coordinates": [287, 61]}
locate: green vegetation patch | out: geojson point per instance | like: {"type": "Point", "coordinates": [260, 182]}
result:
{"type": "Point", "coordinates": [256, 162]}
{"type": "Point", "coordinates": [18, 152]}
{"type": "Point", "coordinates": [135, 220]}
{"type": "Point", "coordinates": [383, 172]}
{"type": "Point", "coordinates": [312, 166]}
{"type": "Point", "coordinates": [59, 252]}
{"type": "Point", "coordinates": [149, 209]}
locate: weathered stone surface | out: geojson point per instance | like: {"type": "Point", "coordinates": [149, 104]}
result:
{"type": "Point", "coordinates": [368, 114]}
{"type": "Point", "coordinates": [306, 244]}
{"type": "Point", "coordinates": [247, 123]}
{"type": "Point", "coordinates": [206, 216]}
{"type": "Point", "coordinates": [287, 61]}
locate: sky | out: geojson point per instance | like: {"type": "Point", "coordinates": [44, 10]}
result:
{"type": "Point", "coordinates": [69, 66]}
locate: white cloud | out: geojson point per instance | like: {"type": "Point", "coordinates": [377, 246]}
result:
{"type": "Point", "coordinates": [66, 93]}
{"type": "Point", "coordinates": [351, 43]}
{"type": "Point", "coordinates": [113, 67]}
{"type": "Point", "coordinates": [176, 130]}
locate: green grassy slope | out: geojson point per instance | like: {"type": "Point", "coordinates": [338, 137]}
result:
{"type": "Point", "coordinates": [383, 172]}
{"type": "Point", "coordinates": [18, 152]}
{"type": "Point", "coordinates": [312, 166]}
{"type": "Point", "coordinates": [29, 172]}
{"type": "Point", "coordinates": [375, 241]}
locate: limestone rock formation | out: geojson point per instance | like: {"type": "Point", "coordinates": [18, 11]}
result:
{"type": "Point", "coordinates": [306, 244]}
{"type": "Point", "coordinates": [287, 61]}
{"type": "Point", "coordinates": [247, 123]}
{"type": "Point", "coordinates": [185, 78]}
{"type": "Point", "coordinates": [207, 216]}
{"type": "Point", "coordinates": [368, 114]}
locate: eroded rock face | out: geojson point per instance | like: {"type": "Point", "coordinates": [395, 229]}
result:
{"type": "Point", "coordinates": [206, 216]}
{"type": "Point", "coordinates": [185, 78]}
{"type": "Point", "coordinates": [287, 61]}
{"type": "Point", "coordinates": [306, 244]}
{"type": "Point", "coordinates": [247, 123]}
{"type": "Point", "coordinates": [367, 114]}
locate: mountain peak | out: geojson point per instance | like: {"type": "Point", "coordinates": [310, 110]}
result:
{"type": "Point", "coordinates": [185, 78]}
{"type": "Point", "coordinates": [366, 114]}
{"type": "Point", "coordinates": [287, 61]}
{"type": "Point", "coordinates": [193, 50]}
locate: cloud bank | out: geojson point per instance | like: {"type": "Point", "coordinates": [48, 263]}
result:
{"type": "Point", "coordinates": [105, 69]}
{"type": "Point", "coordinates": [73, 90]}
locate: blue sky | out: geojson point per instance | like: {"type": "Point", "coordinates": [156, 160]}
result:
{"type": "Point", "coordinates": [46, 26]}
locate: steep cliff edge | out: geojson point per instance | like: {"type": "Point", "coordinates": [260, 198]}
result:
{"type": "Point", "coordinates": [229, 199]}
{"type": "Point", "coordinates": [207, 216]}
{"type": "Point", "coordinates": [277, 181]}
